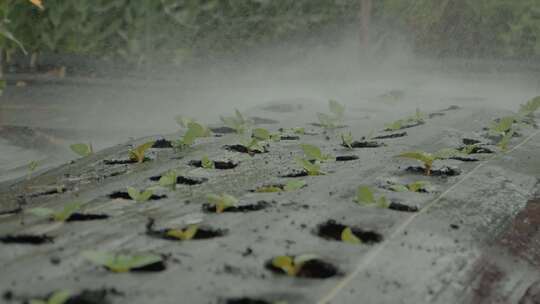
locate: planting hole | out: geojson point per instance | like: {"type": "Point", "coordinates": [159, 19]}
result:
{"type": "Point", "coordinates": [289, 137]}
{"type": "Point", "coordinates": [26, 239]}
{"type": "Point", "coordinates": [154, 267]}
{"type": "Point", "coordinates": [389, 136]}
{"type": "Point", "coordinates": [331, 230]}
{"type": "Point", "coordinates": [203, 233]}
{"type": "Point", "coordinates": [112, 162]}
{"type": "Point", "coordinates": [223, 130]}
{"type": "Point", "coordinates": [246, 301]}
{"type": "Point", "coordinates": [402, 207]}
{"type": "Point", "coordinates": [364, 144]}
{"type": "Point", "coordinates": [346, 158]}
{"type": "Point", "coordinates": [464, 159]}
{"type": "Point", "coordinates": [444, 171]}
{"type": "Point", "coordinates": [125, 195]}
{"type": "Point", "coordinates": [243, 149]}
{"type": "Point", "coordinates": [220, 165]}
{"type": "Point", "coordinates": [296, 173]}
{"type": "Point", "coordinates": [183, 180]}
{"type": "Point", "coordinates": [81, 217]}
{"type": "Point", "coordinates": [416, 124]}
{"type": "Point", "coordinates": [162, 144]}
{"type": "Point", "coordinates": [260, 205]}
{"type": "Point", "coordinates": [312, 269]}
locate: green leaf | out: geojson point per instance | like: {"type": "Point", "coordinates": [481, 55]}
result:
{"type": "Point", "coordinates": [399, 188]}
{"type": "Point", "coordinates": [448, 153]}
{"type": "Point", "coordinates": [313, 153]}
{"type": "Point", "coordinates": [326, 121]}
{"type": "Point", "coordinates": [347, 140]}
{"type": "Point", "coordinates": [59, 297]}
{"type": "Point", "coordinates": [364, 195]}
{"type": "Point", "coordinates": [82, 149]}
{"type": "Point", "coordinates": [222, 202]}
{"type": "Point", "coordinates": [41, 212]}
{"type": "Point", "coordinates": [261, 134]}
{"type": "Point", "coordinates": [312, 169]}
{"type": "Point", "coordinates": [207, 163]}
{"type": "Point", "coordinates": [336, 108]}
{"type": "Point", "coordinates": [168, 179]}
{"type": "Point", "coordinates": [294, 185]}
{"type": "Point", "coordinates": [183, 121]}
{"type": "Point", "coordinates": [418, 186]}
{"type": "Point", "coordinates": [120, 262]}
{"type": "Point", "coordinates": [286, 264]}
{"type": "Point", "coordinates": [397, 125]}
{"type": "Point", "coordinates": [530, 107]}
{"type": "Point", "coordinates": [138, 196]}
{"type": "Point", "coordinates": [347, 236]}
{"type": "Point", "coordinates": [299, 131]}
{"type": "Point", "coordinates": [68, 210]}
{"type": "Point", "coordinates": [424, 157]}
{"type": "Point", "coordinates": [194, 131]}
{"type": "Point", "coordinates": [382, 202]}
{"type": "Point", "coordinates": [505, 141]}
{"type": "Point", "coordinates": [33, 165]}
{"type": "Point", "coordinates": [503, 126]}
{"type": "Point", "coordinates": [268, 189]}
{"type": "Point", "coordinates": [184, 234]}
{"type": "Point", "coordinates": [138, 153]}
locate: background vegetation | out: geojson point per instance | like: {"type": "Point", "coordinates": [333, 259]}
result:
{"type": "Point", "coordinates": [173, 31]}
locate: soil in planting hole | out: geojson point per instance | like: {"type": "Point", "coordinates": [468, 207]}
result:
{"type": "Point", "coordinates": [295, 174]}
{"type": "Point", "coordinates": [125, 195]}
{"type": "Point", "coordinates": [242, 149]}
{"type": "Point", "coordinates": [162, 144]}
{"type": "Point", "coordinates": [478, 150]}
{"type": "Point", "coordinates": [346, 158]}
{"type": "Point", "coordinates": [26, 239]}
{"type": "Point", "coordinates": [464, 159]}
{"type": "Point", "coordinates": [389, 136]}
{"type": "Point", "coordinates": [112, 162]}
{"type": "Point", "coordinates": [443, 172]}
{"type": "Point", "coordinates": [263, 121]}
{"type": "Point", "coordinates": [246, 301]}
{"type": "Point", "coordinates": [419, 123]}
{"type": "Point", "coordinates": [203, 233]}
{"type": "Point", "coordinates": [220, 165]}
{"type": "Point", "coordinates": [313, 269]}
{"type": "Point", "coordinates": [364, 144]}
{"type": "Point", "coordinates": [183, 180]}
{"type": "Point", "coordinates": [260, 205]}
{"type": "Point", "coordinates": [289, 137]}
{"type": "Point", "coordinates": [331, 230]}
{"type": "Point", "coordinates": [402, 207]}
{"type": "Point", "coordinates": [223, 130]}
{"type": "Point", "coordinates": [82, 217]}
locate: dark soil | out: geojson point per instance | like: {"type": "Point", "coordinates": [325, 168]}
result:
{"type": "Point", "coordinates": [419, 123]}
{"type": "Point", "coordinates": [183, 180]}
{"type": "Point", "coordinates": [451, 108]}
{"type": "Point", "coordinates": [469, 141]}
{"type": "Point", "coordinates": [125, 195]}
{"type": "Point", "coordinates": [331, 230]}
{"type": "Point", "coordinates": [111, 162]}
{"type": "Point", "coordinates": [364, 144]}
{"type": "Point", "coordinates": [443, 172]}
{"type": "Point", "coordinates": [402, 207]}
{"type": "Point", "coordinates": [55, 190]}
{"type": "Point", "coordinates": [246, 301]}
{"type": "Point", "coordinates": [202, 233]}
{"type": "Point", "coordinates": [81, 217]}
{"type": "Point", "coordinates": [436, 114]}
{"type": "Point", "coordinates": [223, 130]}
{"type": "Point", "coordinates": [313, 269]}
{"type": "Point", "coordinates": [220, 165]}
{"type": "Point", "coordinates": [12, 211]}
{"type": "Point", "coordinates": [242, 149]}
{"type": "Point", "coordinates": [289, 137]}
{"type": "Point", "coordinates": [263, 121]}
{"type": "Point", "coordinates": [465, 159]}
{"type": "Point", "coordinates": [260, 205]}
{"type": "Point", "coordinates": [162, 144]}
{"type": "Point", "coordinates": [26, 239]}
{"type": "Point", "coordinates": [389, 136]}
{"type": "Point", "coordinates": [155, 267]}
{"type": "Point", "coordinates": [479, 150]}
{"type": "Point", "coordinates": [296, 174]}
{"type": "Point", "coordinates": [346, 158]}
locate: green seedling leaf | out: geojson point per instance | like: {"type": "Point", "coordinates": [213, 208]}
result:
{"type": "Point", "coordinates": [32, 166]}
{"type": "Point", "coordinates": [505, 141]}
{"type": "Point", "coordinates": [418, 186]}
{"type": "Point", "coordinates": [252, 144]}
{"type": "Point", "coordinates": [120, 262]}
{"type": "Point", "coordinates": [503, 126]}
{"type": "Point", "coordinates": [207, 163]}
{"type": "Point", "coordinates": [82, 149]}
{"type": "Point", "coordinates": [291, 265]}
{"type": "Point", "coordinates": [238, 122]}
{"type": "Point", "coordinates": [269, 189]}
{"type": "Point", "coordinates": [58, 297]}
{"type": "Point", "coordinates": [222, 202]}
{"type": "Point", "coordinates": [399, 188]}
{"type": "Point", "coordinates": [183, 121]}
{"type": "Point", "coordinates": [183, 234]}
{"type": "Point", "coordinates": [530, 107]}
{"type": "Point", "coordinates": [138, 153]}
{"type": "Point", "coordinates": [195, 130]}
{"type": "Point", "coordinates": [168, 180]}
{"type": "Point", "coordinates": [314, 153]}
{"type": "Point", "coordinates": [396, 125]}
{"type": "Point", "coordinates": [467, 150]}
{"type": "Point", "coordinates": [347, 140]}
{"type": "Point", "coordinates": [364, 195]}
{"type": "Point", "coordinates": [299, 131]}
{"type": "Point", "coordinates": [294, 185]}
{"type": "Point", "coordinates": [336, 108]}
{"type": "Point", "coordinates": [326, 121]}
{"type": "Point", "coordinates": [426, 158]}
{"type": "Point", "coordinates": [140, 196]}
{"type": "Point", "coordinates": [261, 134]}
{"type": "Point", "coordinates": [383, 202]}
{"type": "Point", "coordinates": [313, 169]}
{"type": "Point", "coordinates": [347, 236]}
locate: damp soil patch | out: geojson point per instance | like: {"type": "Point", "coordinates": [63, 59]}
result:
{"type": "Point", "coordinates": [112, 162]}
{"type": "Point", "coordinates": [125, 195]}
{"type": "Point", "coordinates": [331, 230]}
{"type": "Point", "coordinates": [162, 144]}
{"type": "Point", "coordinates": [219, 165]}
{"type": "Point", "coordinates": [402, 207]}
{"type": "Point", "coordinates": [203, 233]}
{"type": "Point", "coordinates": [27, 239]}
{"type": "Point", "coordinates": [442, 172]}
{"type": "Point", "coordinates": [364, 144]}
{"type": "Point", "coordinates": [312, 269]}
{"type": "Point", "coordinates": [346, 158]}
{"type": "Point", "coordinates": [84, 217]}
{"type": "Point", "coordinates": [260, 205]}
{"type": "Point", "coordinates": [183, 180]}
{"type": "Point", "coordinates": [243, 149]}
{"type": "Point", "coordinates": [390, 136]}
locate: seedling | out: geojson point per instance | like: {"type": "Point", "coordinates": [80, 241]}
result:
{"type": "Point", "coordinates": [183, 121]}
{"type": "Point", "coordinates": [58, 297]}
{"type": "Point", "coordinates": [238, 122]}
{"type": "Point", "coordinates": [194, 131]}
{"type": "Point", "coordinates": [207, 163]}
{"type": "Point", "coordinates": [32, 166]}
{"type": "Point", "coordinates": [330, 121]}
{"type": "Point", "coordinates": [183, 234]}
{"type": "Point", "coordinates": [365, 196]}
{"type": "Point", "coordinates": [263, 134]}
{"type": "Point", "coordinates": [312, 168]}
{"type": "Point", "coordinates": [168, 180]}
{"type": "Point", "coordinates": [348, 236]}
{"type": "Point", "coordinates": [121, 262]}
{"type": "Point", "coordinates": [412, 187]}
{"type": "Point", "coordinates": [502, 126]}
{"type": "Point", "coordinates": [299, 131]}
{"type": "Point", "coordinates": [222, 202]}
{"type": "Point", "coordinates": [529, 108]}
{"type": "Point", "coordinates": [82, 149]}
{"type": "Point", "coordinates": [337, 109]}
{"type": "Point", "coordinates": [252, 145]}
{"type": "Point", "coordinates": [290, 186]}
{"type": "Point", "coordinates": [326, 121]}
{"type": "Point", "coordinates": [505, 140]}
{"type": "Point", "coordinates": [347, 140]}
{"type": "Point", "coordinates": [314, 153]}
{"type": "Point", "coordinates": [138, 153]}
{"type": "Point", "coordinates": [59, 216]}
{"type": "Point", "coordinates": [140, 196]}
{"type": "Point", "coordinates": [292, 265]}
{"type": "Point", "coordinates": [418, 118]}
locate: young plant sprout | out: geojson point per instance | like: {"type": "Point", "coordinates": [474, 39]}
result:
{"type": "Point", "coordinates": [418, 118]}
{"type": "Point", "coordinates": [207, 163]}
{"type": "Point", "coordinates": [194, 131]}
{"type": "Point", "coordinates": [82, 149]}
{"type": "Point", "coordinates": [263, 134]}
{"type": "Point", "coordinates": [501, 127]}
{"type": "Point", "coordinates": [252, 145]}
{"type": "Point", "coordinates": [58, 216]}
{"type": "Point", "coordinates": [330, 121]}
{"type": "Point", "coordinates": [365, 196]}
{"type": "Point", "coordinates": [32, 166]}
{"type": "Point", "coordinates": [420, 186]}
{"type": "Point", "coordinates": [238, 122]}
{"type": "Point", "coordinates": [222, 202]}
{"type": "Point", "coordinates": [138, 153]}
{"type": "Point", "coordinates": [168, 180]}
{"type": "Point", "coordinates": [314, 153]}
{"type": "Point", "coordinates": [183, 234]}
{"type": "Point", "coordinates": [140, 196]}
{"type": "Point", "coordinates": [326, 121]}
{"type": "Point", "coordinates": [58, 297]}
{"type": "Point", "coordinates": [337, 109]}
{"type": "Point", "coordinates": [292, 265]}
{"type": "Point", "coordinates": [529, 108]}
{"type": "Point", "coordinates": [505, 140]}
{"type": "Point", "coordinates": [121, 262]}
{"type": "Point", "coordinates": [183, 121]}
{"type": "Point", "coordinates": [290, 186]}
{"type": "Point", "coordinates": [299, 131]}
{"type": "Point", "coordinates": [347, 140]}
{"type": "Point", "coordinates": [312, 168]}
{"type": "Point", "coordinates": [347, 236]}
